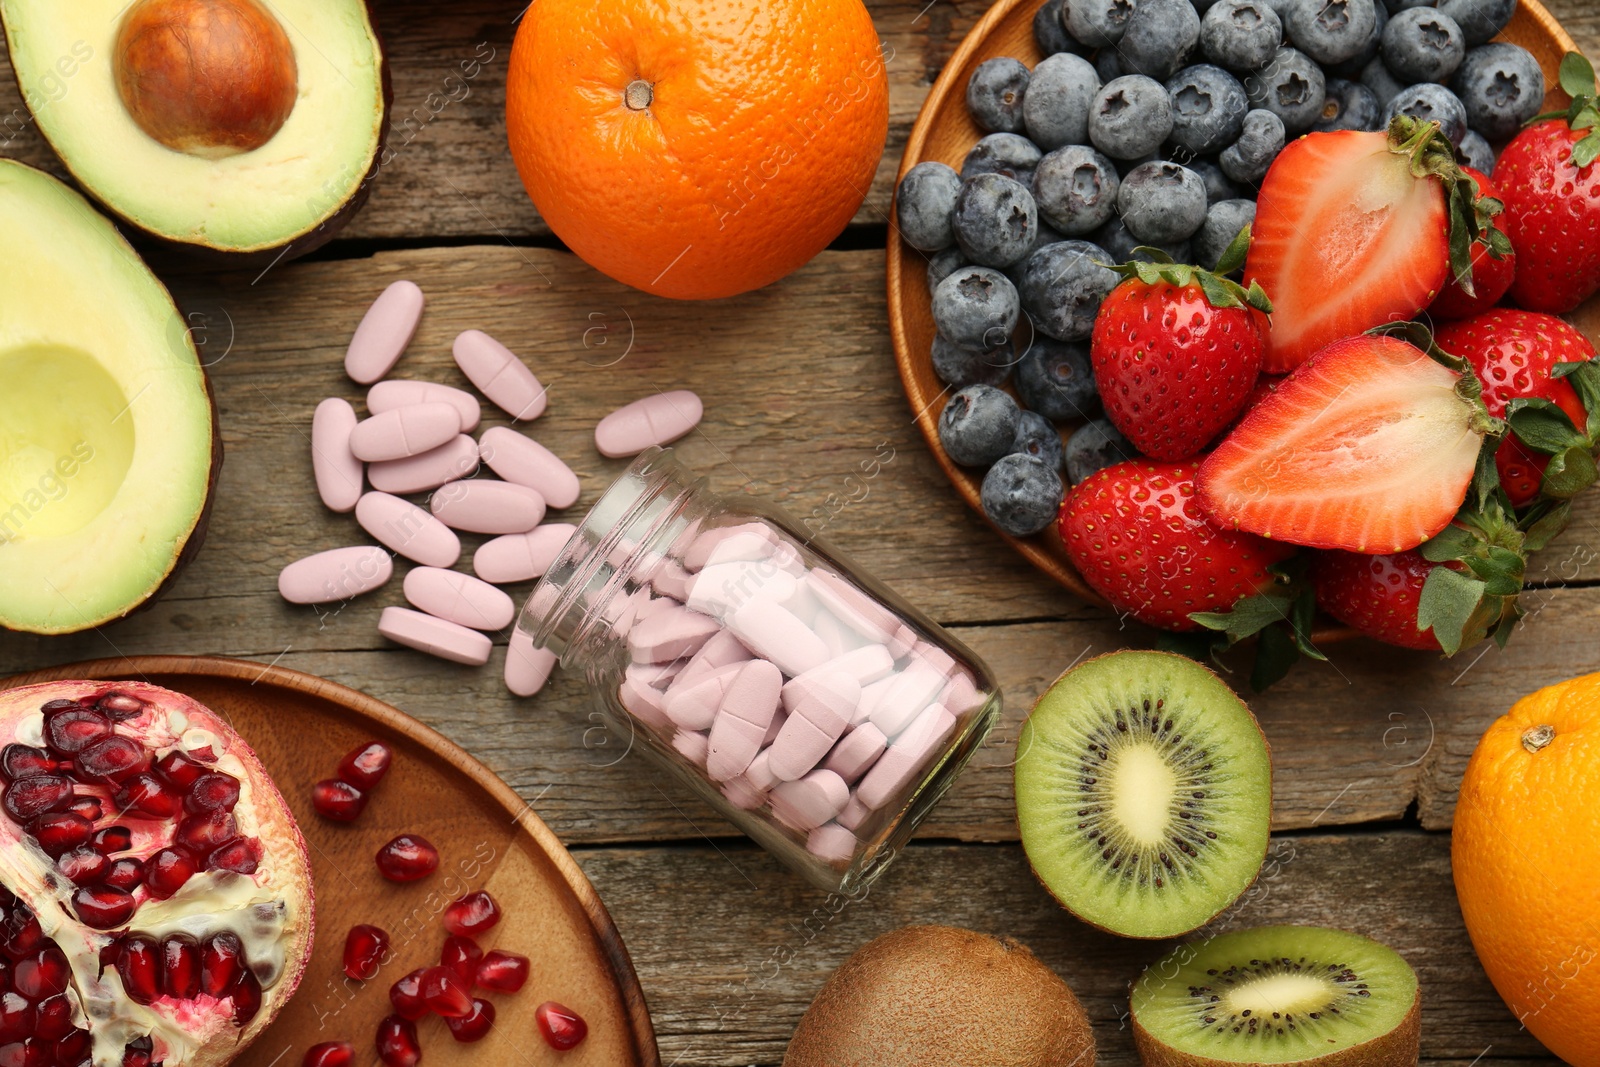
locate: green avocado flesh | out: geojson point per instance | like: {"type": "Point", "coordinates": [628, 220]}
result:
{"type": "Point", "coordinates": [1144, 793]}
{"type": "Point", "coordinates": [106, 428]}
{"type": "Point", "coordinates": [1275, 994]}
{"type": "Point", "coordinates": [300, 180]}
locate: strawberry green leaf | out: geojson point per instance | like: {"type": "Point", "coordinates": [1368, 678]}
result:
{"type": "Point", "coordinates": [1568, 473]}
{"type": "Point", "coordinates": [1448, 603]}
{"type": "Point", "coordinates": [1584, 377]}
{"type": "Point", "coordinates": [1220, 292]}
{"type": "Point", "coordinates": [1276, 655]}
{"type": "Point", "coordinates": [1544, 522]}
{"type": "Point", "coordinates": [1201, 645]}
{"type": "Point", "coordinates": [1543, 426]}
{"type": "Point", "coordinates": [1576, 75]}
{"type": "Point", "coordinates": [1451, 543]}
{"type": "Point", "coordinates": [1301, 620]}
{"type": "Point", "coordinates": [1508, 622]}
{"type": "Point", "coordinates": [1432, 155]}
{"type": "Point", "coordinates": [1234, 255]}
{"type": "Point", "coordinates": [1248, 616]}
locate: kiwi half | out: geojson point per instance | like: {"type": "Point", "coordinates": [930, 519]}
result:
{"type": "Point", "coordinates": [1144, 793]}
{"type": "Point", "coordinates": [1279, 994]}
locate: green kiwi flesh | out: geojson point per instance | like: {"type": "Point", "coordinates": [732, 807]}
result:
{"type": "Point", "coordinates": [1144, 793]}
{"type": "Point", "coordinates": [1279, 995]}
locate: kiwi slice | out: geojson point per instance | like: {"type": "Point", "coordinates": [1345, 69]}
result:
{"type": "Point", "coordinates": [1144, 793]}
{"type": "Point", "coordinates": [1279, 994]}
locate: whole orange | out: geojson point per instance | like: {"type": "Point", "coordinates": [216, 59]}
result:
{"type": "Point", "coordinates": [697, 148]}
{"type": "Point", "coordinates": [1526, 868]}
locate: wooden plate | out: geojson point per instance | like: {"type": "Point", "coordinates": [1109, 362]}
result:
{"type": "Point", "coordinates": [488, 837]}
{"type": "Point", "coordinates": [944, 131]}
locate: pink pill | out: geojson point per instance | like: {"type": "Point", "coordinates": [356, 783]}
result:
{"type": "Point", "coordinates": [499, 375]}
{"type": "Point", "coordinates": [734, 743]}
{"type": "Point", "coordinates": [434, 636]}
{"type": "Point", "coordinates": [856, 752]}
{"type": "Point", "coordinates": [741, 794]}
{"type": "Point", "coordinates": [643, 703]}
{"type": "Point", "coordinates": [700, 549]}
{"type": "Point", "coordinates": [408, 431]}
{"type": "Point", "coordinates": [836, 635]}
{"type": "Point", "coordinates": [722, 588]}
{"type": "Point", "coordinates": [337, 470]}
{"type": "Point", "coordinates": [459, 598]}
{"type": "Point", "coordinates": [868, 664]}
{"type": "Point", "coordinates": [854, 814]}
{"type": "Point", "coordinates": [934, 656]}
{"type": "Point", "coordinates": [853, 607]}
{"type": "Point", "coordinates": [655, 675]}
{"type": "Point", "coordinates": [517, 458]}
{"type": "Point", "coordinates": [960, 694]}
{"type": "Point", "coordinates": [692, 745]}
{"type": "Point", "coordinates": [456, 458]}
{"type": "Point", "coordinates": [775, 727]}
{"type": "Point", "coordinates": [520, 557]}
{"type": "Point", "coordinates": [771, 632]}
{"type": "Point", "coordinates": [653, 420]}
{"type": "Point", "coordinates": [672, 580]}
{"type": "Point", "coordinates": [401, 393]}
{"type": "Point", "coordinates": [815, 722]}
{"type": "Point", "coordinates": [720, 650]}
{"type": "Point", "coordinates": [914, 689]}
{"type": "Point", "coordinates": [906, 757]}
{"type": "Point", "coordinates": [870, 696]}
{"type": "Point", "coordinates": [811, 801]}
{"type": "Point", "coordinates": [903, 641]}
{"type": "Point", "coordinates": [528, 667]}
{"type": "Point", "coordinates": [385, 331]}
{"type": "Point", "coordinates": [693, 705]}
{"type": "Point", "coordinates": [486, 506]}
{"type": "Point", "coordinates": [741, 724]}
{"type": "Point", "coordinates": [407, 529]}
{"type": "Point", "coordinates": [832, 843]}
{"type": "Point", "coordinates": [759, 773]}
{"type": "Point", "coordinates": [669, 634]}
{"type": "Point", "coordinates": [337, 574]}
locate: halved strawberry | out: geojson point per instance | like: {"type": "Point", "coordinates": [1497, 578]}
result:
{"type": "Point", "coordinates": [1356, 229]}
{"type": "Point", "coordinates": [1369, 446]}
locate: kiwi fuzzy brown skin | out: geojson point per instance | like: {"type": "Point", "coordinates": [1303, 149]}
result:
{"type": "Point", "coordinates": [928, 996]}
{"type": "Point", "coordinates": [1397, 1048]}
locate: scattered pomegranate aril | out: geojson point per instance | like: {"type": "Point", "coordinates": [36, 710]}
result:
{"type": "Point", "coordinates": [476, 1025]}
{"type": "Point", "coordinates": [83, 866]}
{"type": "Point", "coordinates": [74, 1048]}
{"type": "Point", "coordinates": [337, 800]}
{"type": "Point", "coordinates": [212, 791]}
{"type": "Point", "coordinates": [502, 972]}
{"type": "Point", "coordinates": [145, 794]}
{"type": "Point", "coordinates": [472, 914]}
{"type": "Point", "coordinates": [27, 798]}
{"type": "Point", "coordinates": [24, 761]}
{"type": "Point", "coordinates": [113, 759]}
{"type": "Point", "coordinates": [23, 935]}
{"type": "Point", "coordinates": [460, 956]}
{"type": "Point", "coordinates": [397, 1042]}
{"type": "Point", "coordinates": [330, 1054]}
{"type": "Point", "coordinates": [88, 807]}
{"type": "Point", "coordinates": [43, 975]}
{"type": "Point", "coordinates": [120, 706]}
{"type": "Point", "coordinates": [168, 870]}
{"type": "Point", "coordinates": [407, 858]}
{"type": "Point", "coordinates": [16, 1016]}
{"type": "Point", "coordinates": [139, 967]}
{"type": "Point", "coordinates": [364, 949]}
{"type": "Point", "coordinates": [180, 966]}
{"type": "Point", "coordinates": [59, 831]}
{"type": "Point", "coordinates": [246, 997]}
{"type": "Point", "coordinates": [29, 1052]}
{"type": "Point", "coordinates": [101, 907]}
{"type": "Point", "coordinates": [242, 856]}
{"type": "Point", "coordinates": [53, 1018]}
{"type": "Point", "coordinates": [112, 839]}
{"type": "Point", "coordinates": [406, 995]}
{"type": "Point", "coordinates": [365, 767]}
{"type": "Point", "coordinates": [561, 1027]}
{"type": "Point", "coordinates": [68, 731]}
{"type": "Point", "coordinates": [178, 769]}
{"type": "Point", "coordinates": [125, 874]}
{"type": "Point", "coordinates": [135, 1057]}
{"type": "Point", "coordinates": [221, 963]}
{"type": "Point", "coordinates": [446, 994]}
{"type": "Point", "coordinates": [206, 832]}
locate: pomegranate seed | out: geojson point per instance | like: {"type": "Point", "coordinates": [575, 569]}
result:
{"type": "Point", "coordinates": [241, 857]}
{"type": "Point", "coordinates": [364, 950]}
{"type": "Point", "coordinates": [112, 839]}
{"type": "Point", "coordinates": [23, 936]}
{"type": "Point", "coordinates": [16, 1016]}
{"type": "Point", "coordinates": [69, 731]}
{"type": "Point", "coordinates": [180, 966]}
{"type": "Point", "coordinates": [120, 706]}
{"type": "Point", "coordinates": [562, 1027]}
{"type": "Point", "coordinates": [139, 967]}
{"type": "Point", "coordinates": [43, 975]}
{"type": "Point", "coordinates": [168, 870]}
{"type": "Point", "coordinates": [472, 914]}
{"type": "Point", "coordinates": [125, 874]}
{"type": "Point", "coordinates": [145, 794]}
{"type": "Point", "coordinates": [502, 972]}
{"type": "Point", "coordinates": [83, 866]}
{"type": "Point", "coordinates": [88, 807]}
{"type": "Point", "coordinates": [24, 761]}
{"type": "Point", "coordinates": [60, 831]}
{"type": "Point", "coordinates": [103, 908]}
{"type": "Point", "coordinates": [74, 1048]}
{"type": "Point", "coordinates": [26, 798]}
{"type": "Point", "coordinates": [365, 767]}
{"type": "Point", "coordinates": [406, 995]}
{"type": "Point", "coordinates": [397, 1042]}
{"type": "Point", "coordinates": [59, 705]}
{"type": "Point", "coordinates": [246, 996]}
{"type": "Point", "coordinates": [221, 962]}
{"type": "Point", "coordinates": [178, 769]}
{"type": "Point", "coordinates": [113, 759]}
{"type": "Point", "coordinates": [136, 1053]}
{"type": "Point", "coordinates": [476, 1025]}
{"type": "Point", "coordinates": [207, 832]}
{"type": "Point", "coordinates": [30, 1052]}
{"type": "Point", "coordinates": [460, 957]}
{"type": "Point", "coordinates": [407, 858]}
{"type": "Point", "coordinates": [53, 1018]}
{"type": "Point", "coordinates": [330, 1054]}
{"type": "Point", "coordinates": [214, 791]}
{"type": "Point", "coordinates": [336, 800]}
{"type": "Point", "coordinates": [445, 994]}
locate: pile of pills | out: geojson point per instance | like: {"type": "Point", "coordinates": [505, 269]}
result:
{"type": "Point", "coordinates": [417, 440]}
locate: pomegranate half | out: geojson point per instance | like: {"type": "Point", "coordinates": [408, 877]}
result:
{"type": "Point", "coordinates": [156, 899]}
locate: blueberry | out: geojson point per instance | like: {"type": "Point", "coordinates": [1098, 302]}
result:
{"type": "Point", "coordinates": [1126, 167]}
{"type": "Point", "coordinates": [1248, 158]}
{"type": "Point", "coordinates": [1056, 109]}
{"type": "Point", "coordinates": [1381, 80]}
{"type": "Point", "coordinates": [1050, 30]}
{"type": "Point", "coordinates": [1094, 447]}
{"type": "Point", "coordinates": [1120, 243]}
{"type": "Point", "coordinates": [1240, 35]}
{"type": "Point", "coordinates": [1108, 65]}
{"type": "Point", "coordinates": [1351, 68]}
{"type": "Point", "coordinates": [1021, 494]}
{"type": "Point", "coordinates": [1047, 235]}
{"type": "Point", "coordinates": [1431, 103]}
{"type": "Point", "coordinates": [1098, 23]}
{"type": "Point", "coordinates": [1056, 379]}
{"type": "Point", "coordinates": [1501, 87]}
{"type": "Point", "coordinates": [1331, 31]}
{"type": "Point", "coordinates": [1291, 86]}
{"type": "Point", "coordinates": [995, 92]}
{"type": "Point", "coordinates": [1159, 37]}
{"type": "Point", "coordinates": [924, 204]}
{"type": "Point", "coordinates": [1061, 287]}
{"type": "Point", "coordinates": [1218, 187]}
{"type": "Point", "coordinates": [995, 220]}
{"type": "Point", "coordinates": [1010, 154]}
{"type": "Point", "coordinates": [1162, 203]}
{"type": "Point", "coordinates": [976, 307]}
{"type": "Point", "coordinates": [1208, 106]}
{"type": "Point", "coordinates": [944, 263]}
{"type": "Point", "coordinates": [1475, 152]}
{"type": "Point", "coordinates": [1479, 20]}
{"type": "Point", "coordinates": [1349, 106]}
{"type": "Point", "coordinates": [978, 425]}
{"type": "Point", "coordinates": [1223, 222]}
{"type": "Point", "coordinates": [1397, 6]}
{"type": "Point", "coordinates": [1131, 116]}
{"type": "Point", "coordinates": [1422, 45]}
{"type": "Point", "coordinates": [960, 367]}
{"type": "Point", "coordinates": [1038, 437]}
{"type": "Point", "coordinates": [1075, 189]}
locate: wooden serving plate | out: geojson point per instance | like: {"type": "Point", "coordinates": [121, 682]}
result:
{"type": "Point", "coordinates": [944, 131]}
{"type": "Point", "coordinates": [300, 726]}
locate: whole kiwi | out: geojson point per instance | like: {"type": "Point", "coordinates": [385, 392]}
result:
{"type": "Point", "coordinates": [932, 996]}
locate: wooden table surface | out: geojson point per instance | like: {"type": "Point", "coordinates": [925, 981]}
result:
{"type": "Point", "coordinates": [799, 385]}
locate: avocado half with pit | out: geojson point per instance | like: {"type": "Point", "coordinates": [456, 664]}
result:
{"type": "Point", "coordinates": [248, 128]}
{"type": "Point", "coordinates": [108, 437]}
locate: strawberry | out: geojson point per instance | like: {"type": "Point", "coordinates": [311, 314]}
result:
{"type": "Point", "coordinates": [1515, 354]}
{"type": "Point", "coordinates": [1176, 351]}
{"type": "Point", "coordinates": [1138, 537]}
{"type": "Point", "coordinates": [1551, 189]}
{"type": "Point", "coordinates": [1493, 265]}
{"type": "Point", "coordinates": [1356, 229]}
{"type": "Point", "coordinates": [1378, 595]}
{"type": "Point", "coordinates": [1369, 446]}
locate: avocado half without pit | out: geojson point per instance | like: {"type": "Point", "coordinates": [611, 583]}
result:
{"type": "Point", "coordinates": [108, 439]}
{"type": "Point", "coordinates": [239, 128]}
